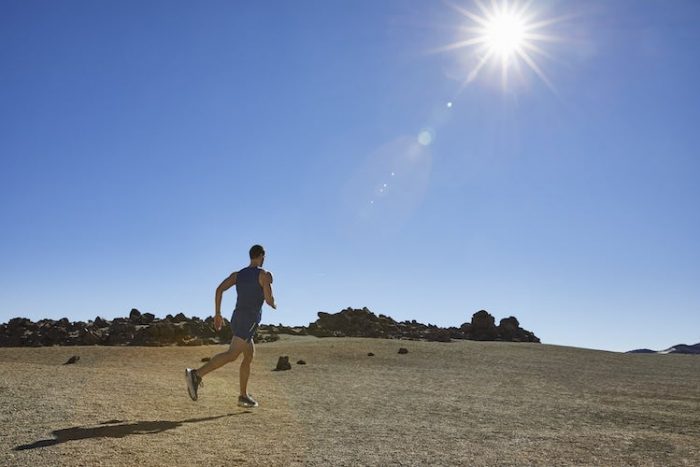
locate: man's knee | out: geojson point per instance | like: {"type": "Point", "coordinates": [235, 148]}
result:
{"type": "Point", "coordinates": [234, 350]}
{"type": "Point", "coordinates": [248, 354]}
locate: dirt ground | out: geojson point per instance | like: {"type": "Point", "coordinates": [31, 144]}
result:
{"type": "Point", "coordinates": [465, 402]}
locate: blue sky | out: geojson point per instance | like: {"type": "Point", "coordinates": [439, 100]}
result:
{"type": "Point", "coordinates": [145, 146]}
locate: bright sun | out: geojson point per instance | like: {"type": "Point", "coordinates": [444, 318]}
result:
{"type": "Point", "coordinates": [506, 34]}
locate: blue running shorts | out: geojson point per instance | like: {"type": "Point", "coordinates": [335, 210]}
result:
{"type": "Point", "coordinates": [244, 325]}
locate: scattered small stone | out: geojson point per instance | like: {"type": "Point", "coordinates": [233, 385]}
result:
{"type": "Point", "coordinates": [283, 364]}
{"type": "Point", "coordinates": [73, 359]}
{"type": "Point", "coordinates": [403, 350]}
{"type": "Point", "coordinates": [301, 362]}
{"type": "Point", "coordinates": [206, 359]}
{"type": "Point", "coordinates": [370, 354]}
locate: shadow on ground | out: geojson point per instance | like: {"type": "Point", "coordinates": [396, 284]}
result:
{"type": "Point", "coordinates": [109, 430]}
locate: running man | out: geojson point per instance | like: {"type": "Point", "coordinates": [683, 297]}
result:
{"type": "Point", "coordinates": [253, 285]}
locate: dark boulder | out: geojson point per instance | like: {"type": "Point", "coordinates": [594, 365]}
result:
{"type": "Point", "coordinates": [283, 364]}
{"type": "Point", "coordinates": [352, 322]}
{"type": "Point", "coordinates": [89, 336]}
{"type": "Point", "coordinates": [508, 327]}
{"type": "Point", "coordinates": [483, 326]}
{"type": "Point", "coordinates": [180, 318]}
{"type": "Point", "coordinates": [101, 323]}
{"type": "Point", "coordinates": [147, 318]}
{"type": "Point", "coordinates": [20, 323]}
{"type": "Point", "coordinates": [55, 335]}
{"type": "Point", "coordinates": [135, 316]}
{"type": "Point", "coordinates": [121, 332]}
{"type": "Point", "coordinates": [482, 320]}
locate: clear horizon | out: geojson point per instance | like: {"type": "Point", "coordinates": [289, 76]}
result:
{"type": "Point", "coordinates": [146, 146]}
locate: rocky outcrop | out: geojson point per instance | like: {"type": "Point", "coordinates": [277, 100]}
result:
{"type": "Point", "coordinates": [144, 329]}
{"type": "Point", "coordinates": [483, 328]}
{"type": "Point", "coordinates": [363, 323]}
{"type": "Point", "coordinates": [352, 322]}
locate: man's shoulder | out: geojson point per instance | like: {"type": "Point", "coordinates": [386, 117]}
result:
{"type": "Point", "coordinates": [265, 274]}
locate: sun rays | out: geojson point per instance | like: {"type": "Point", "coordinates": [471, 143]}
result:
{"type": "Point", "coordinates": [504, 36]}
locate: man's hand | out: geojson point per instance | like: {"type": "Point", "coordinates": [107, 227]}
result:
{"type": "Point", "coordinates": [218, 322]}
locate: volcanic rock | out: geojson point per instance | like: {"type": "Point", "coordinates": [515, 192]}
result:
{"type": "Point", "coordinates": [147, 318]}
{"type": "Point", "coordinates": [135, 316]}
{"type": "Point", "coordinates": [101, 323]}
{"type": "Point", "coordinates": [483, 326]}
{"type": "Point", "coordinates": [89, 336]}
{"type": "Point", "coordinates": [121, 332]}
{"type": "Point", "coordinates": [179, 318]}
{"type": "Point", "coordinates": [147, 330]}
{"type": "Point", "coordinates": [283, 364]}
{"type": "Point", "coordinates": [508, 327]}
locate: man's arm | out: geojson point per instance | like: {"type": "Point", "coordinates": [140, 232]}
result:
{"type": "Point", "coordinates": [266, 279]}
{"type": "Point", "coordinates": [229, 282]}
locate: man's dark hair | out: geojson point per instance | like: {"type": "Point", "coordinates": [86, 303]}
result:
{"type": "Point", "coordinates": [255, 251]}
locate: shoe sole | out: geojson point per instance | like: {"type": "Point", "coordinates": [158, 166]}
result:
{"type": "Point", "coordinates": [190, 384]}
{"type": "Point", "coordinates": [247, 406]}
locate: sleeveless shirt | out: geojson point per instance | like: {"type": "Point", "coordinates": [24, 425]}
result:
{"type": "Point", "coordinates": [250, 294]}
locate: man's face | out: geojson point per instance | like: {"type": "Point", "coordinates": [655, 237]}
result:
{"type": "Point", "coordinates": [262, 259]}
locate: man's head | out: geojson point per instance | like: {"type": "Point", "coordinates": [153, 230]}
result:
{"type": "Point", "coordinates": [257, 255]}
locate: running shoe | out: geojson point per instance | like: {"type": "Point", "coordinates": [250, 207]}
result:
{"type": "Point", "coordinates": [194, 381]}
{"type": "Point", "coordinates": [247, 401]}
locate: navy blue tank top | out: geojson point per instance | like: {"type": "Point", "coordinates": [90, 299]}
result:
{"type": "Point", "coordinates": [250, 293]}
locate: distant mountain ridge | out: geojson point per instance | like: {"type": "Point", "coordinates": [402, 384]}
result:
{"type": "Point", "coordinates": [680, 348]}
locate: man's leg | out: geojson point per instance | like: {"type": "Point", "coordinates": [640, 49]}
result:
{"type": "Point", "coordinates": [237, 347]}
{"type": "Point", "coordinates": [248, 355]}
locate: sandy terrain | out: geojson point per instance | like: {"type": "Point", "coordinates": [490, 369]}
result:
{"type": "Point", "coordinates": [465, 402]}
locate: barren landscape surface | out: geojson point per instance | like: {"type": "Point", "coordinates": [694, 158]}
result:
{"type": "Point", "coordinates": [464, 402]}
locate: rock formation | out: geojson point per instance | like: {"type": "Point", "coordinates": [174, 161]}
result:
{"type": "Point", "coordinates": [144, 329]}
{"type": "Point", "coordinates": [363, 323]}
